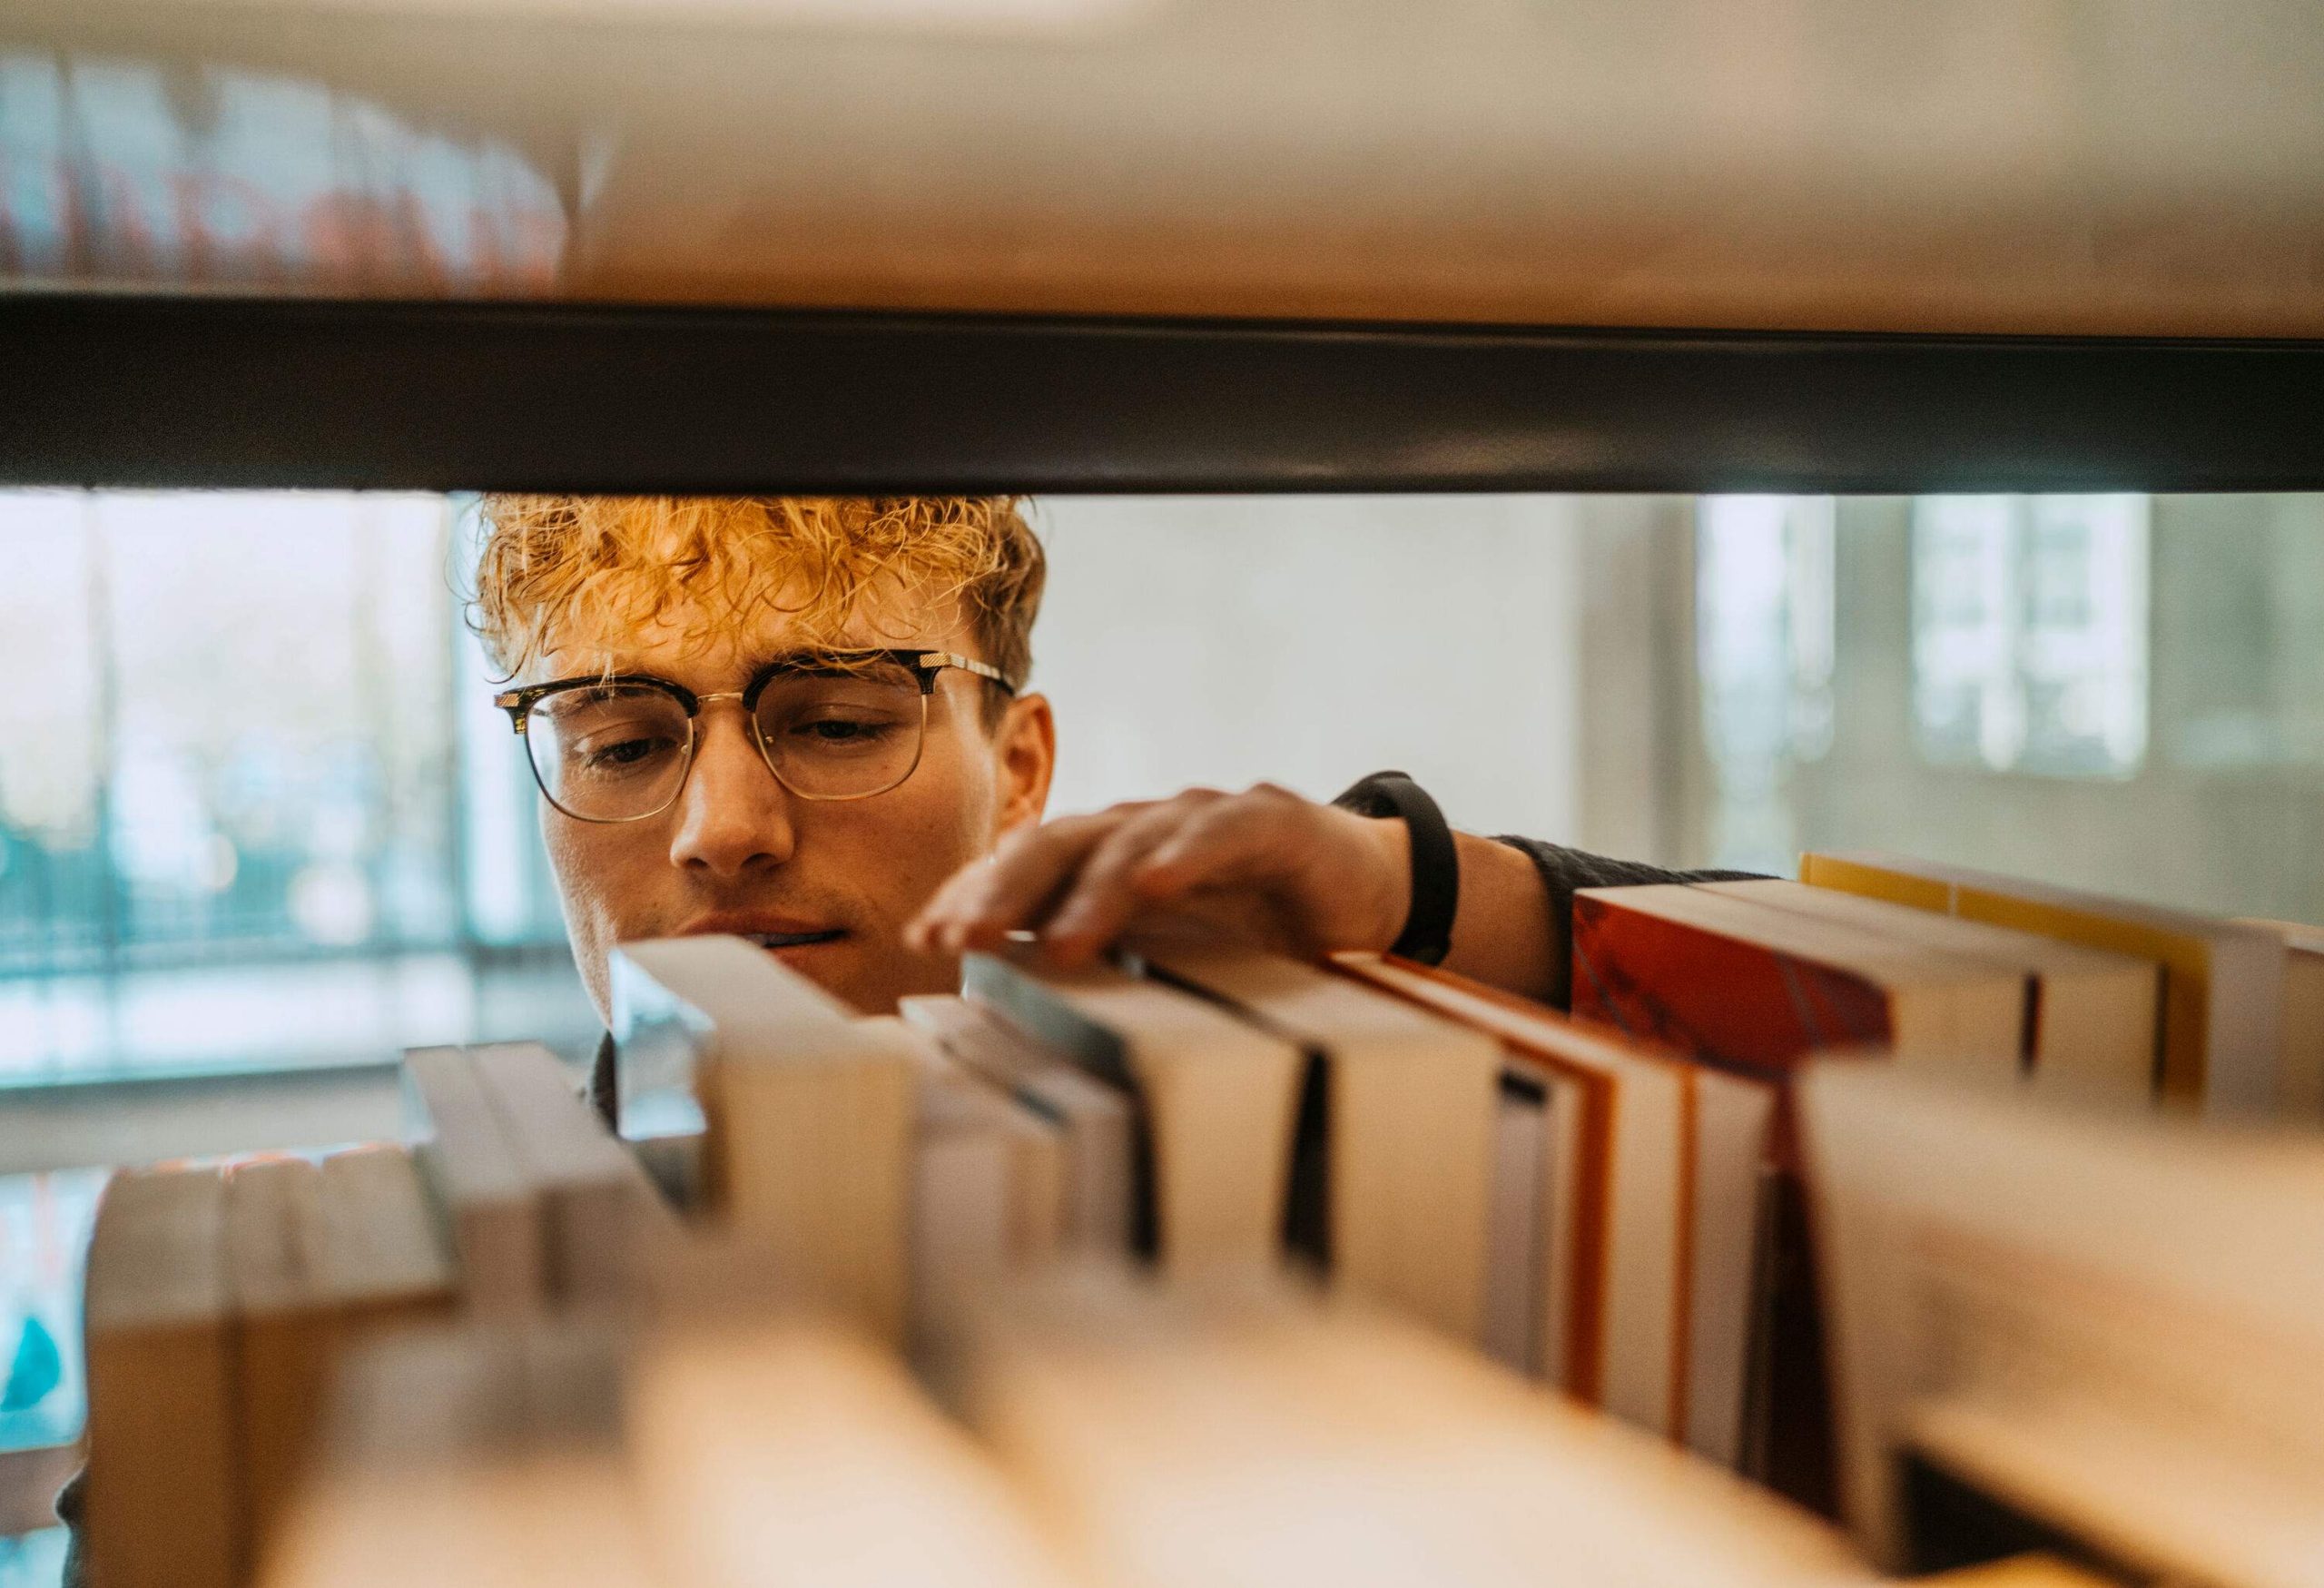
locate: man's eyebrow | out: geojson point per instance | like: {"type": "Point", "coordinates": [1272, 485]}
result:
{"type": "Point", "coordinates": [812, 657]}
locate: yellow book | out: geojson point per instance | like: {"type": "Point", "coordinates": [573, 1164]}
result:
{"type": "Point", "coordinates": [2300, 1082]}
{"type": "Point", "coordinates": [2035, 1571]}
{"type": "Point", "coordinates": [2223, 986]}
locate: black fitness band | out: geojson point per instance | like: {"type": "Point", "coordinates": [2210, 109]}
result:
{"type": "Point", "coordinates": [1427, 936]}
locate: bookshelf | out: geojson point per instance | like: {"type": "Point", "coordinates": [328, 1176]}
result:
{"type": "Point", "coordinates": [158, 389]}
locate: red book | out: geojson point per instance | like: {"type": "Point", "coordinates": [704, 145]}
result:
{"type": "Point", "coordinates": [1740, 983]}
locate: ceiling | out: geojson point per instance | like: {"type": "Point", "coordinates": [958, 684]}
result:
{"type": "Point", "coordinates": [2055, 166]}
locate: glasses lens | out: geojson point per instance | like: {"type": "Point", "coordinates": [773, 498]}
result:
{"type": "Point", "coordinates": [609, 753]}
{"type": "Point", "coordinates": [843, 735]}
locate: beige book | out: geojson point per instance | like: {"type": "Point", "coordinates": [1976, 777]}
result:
{"type": "Point", "coordinates": [787, 1453]}
{"type": "Point", "coordinates": [2299, 1072]}
{"type": "Point", "coordinates": [2222, 989]}
{"type": "Point", "coordinates": [2112, 1324]}
{"type": "Point", "coordinates": [1410, 1112]}
{"type": "Point", "coordinates": [1940, 1010]}
{"type": "Point", "coordinates": [165, 1501]}
{"type": "Point", "coordinates": [275, 1253]}
{"type": "Point", "coordinates": [1218, 1097]}
{"type": "Point", "coordinates": [1571, 1210]}
{"type": "Point", "coordinates": [1626, 1330]}
{"type": "Point", "coordinates": [541, 1519]}
{"type": "Point", "coordinates": [963, 1165]}
{"type": "Point", "coordinates": [488, 1202]}
{"type": "Point", "coordinates": [808, 1115]}
{"type": "Point", "coordinates": [1733, 1123]}
{"type": "Point", "coordinates": [989, 1185]}
{"type": "Point", "coordinates": [318, 1257]}
{"type": "Point", "coordinates": [1655, 1231]}
{"type": "Point", "coordinates": [596, 1204]}
{"type": "Point", "coordinates": [482, 1456]}
{"type": "Point", "coordinates": [2093, 1016]}
{"type": "Point", "coordinates": [1272, 1440]}
{"type": "Point", "coordinates": [1510, 1327]}
{"type": "Point", "coordinates": [1092, 1122]}
{"type": "Point", "coordinates": [382, 1259]}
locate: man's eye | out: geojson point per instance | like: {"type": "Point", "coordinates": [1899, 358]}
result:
{"type": "Point", "coordinates": [838, 731]}
{"type": "Point", "coordinates": [623, 753]}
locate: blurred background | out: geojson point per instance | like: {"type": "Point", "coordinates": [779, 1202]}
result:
{"type": "Point", "coordinates": [259, 824]}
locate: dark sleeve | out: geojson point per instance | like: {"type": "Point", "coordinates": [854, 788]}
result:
{"type": "Point", "coordinates": [601, 1093]}
{"type": "Point", "coordinates": [69, 1500]}
{"type": "Point", "coordinates": [1564, 870]}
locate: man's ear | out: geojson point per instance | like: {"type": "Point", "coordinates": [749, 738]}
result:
{"type": "Point", "coordinates": [1024, 752]}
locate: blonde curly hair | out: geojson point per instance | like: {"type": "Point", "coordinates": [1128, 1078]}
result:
{"type": "Point", "coordinates": [554, 566]}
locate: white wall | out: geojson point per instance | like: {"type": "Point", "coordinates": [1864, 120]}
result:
{"type": "Point", "coordinates": [1308, 640]}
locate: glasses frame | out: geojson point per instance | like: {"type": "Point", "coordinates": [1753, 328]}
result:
{"type": "Point", "coordinates": [925, 668]}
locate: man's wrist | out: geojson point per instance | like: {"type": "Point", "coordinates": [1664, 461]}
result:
{"type": "Point", "coordinates": [1433, 862]}
{"type": "Point", "coordinates": [1392, 878]}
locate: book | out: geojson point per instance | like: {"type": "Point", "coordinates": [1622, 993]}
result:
{"type": "Point", "coordinates": [486, 1452]}
{"type": "Point", "coordinates": [381, 1259]}
{"type": "Point", "coordinates": [1179, 1439]}
{"type": "Point", "coordinates": [277, 1242]}
{"type": "Point", "coordinates": [1410, 1121]}
{"type": "Point", "coordinates": [2025, 1571]}
{"type": "Point", "coordinates": [1725, 978]}
{"type": "Point", "coordinates": [807, 1116]}
{"type": "Point", "coordinates": [2110, 1324]}
{"type": "Point", "coordinates": [977, 1185]}
{"type": "Point", "coordinates": [2222, 984]}
{"type": "Point", "coordinates": [1093, 1122]}
{"type": "Point", "coordinates": [1216, 1099]}
{"type": "Point", "coordinates": [2299, 1072]}
{"type": "Point", "coordinates": [165, 1506]}
{"type": "Point", "coordinates": [1509, 1328]}
{"type": "Point", "coordinates": [1029, 1142]}
{"type": "Point", "coordinates": [2091, 1016]}
{"type": "Point", "coordinates": [490, 1207]}
{"type": "Point", "coordinates": [791, 1452]}
{"type": "Point", "coordinates": [596, 1204]}
{"type": "Point", "coordinates": [1665, 1214]}
{"type": "Point", "coordinates": [543, 1518]}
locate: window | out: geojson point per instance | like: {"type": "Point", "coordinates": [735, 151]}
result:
{"type": "Point", "coordinates": [2030, 633]}
{"type": "Point", "coordinates": [245, 804]}
{"type": "Point", "coordinates": [1764, 645]}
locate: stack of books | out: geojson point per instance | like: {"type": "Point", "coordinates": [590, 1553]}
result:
{"type": "Point", "coordinates": [1815, 1180]}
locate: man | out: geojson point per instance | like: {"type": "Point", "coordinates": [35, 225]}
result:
{"type": "Point", "coordinates": [805, 720]}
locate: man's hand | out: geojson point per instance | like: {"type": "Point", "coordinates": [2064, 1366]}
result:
{"type": "Point", "coordinates": [1304, 878]}
{"type": "Point", "coordinates": [1296, 875]}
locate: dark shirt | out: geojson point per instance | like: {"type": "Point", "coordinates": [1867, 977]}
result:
{"type": "Point", "coordinates": [1562, 871]}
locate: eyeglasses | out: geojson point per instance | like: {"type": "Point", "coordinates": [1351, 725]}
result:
{"type": "Point", "coordinates": [831, 726]}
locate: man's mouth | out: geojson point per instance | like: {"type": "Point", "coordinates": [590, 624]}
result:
{"type": "Point", "coordinates": [793, 940]}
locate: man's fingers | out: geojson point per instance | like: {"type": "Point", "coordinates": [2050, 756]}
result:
{"type": "Point", "coordinates": [1103, 896]}
{"type": "Point", "coordinates": [984, 903]}
{"type": "Point", "coordinates": [1231, 840]}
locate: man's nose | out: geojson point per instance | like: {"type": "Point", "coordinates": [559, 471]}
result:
{"type": "Point", "coordinates": [733, 817]}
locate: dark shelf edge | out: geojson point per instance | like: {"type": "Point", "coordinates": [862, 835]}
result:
{"type": "Point", "coordinates": [128, 391]}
